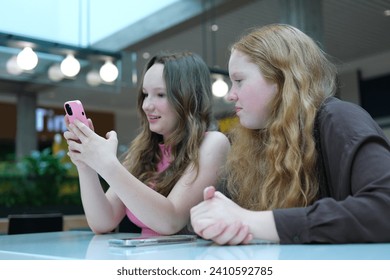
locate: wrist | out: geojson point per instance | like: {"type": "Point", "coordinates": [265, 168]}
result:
{"type": "Point", "coordinates": [262, 225]}
{"type": "Point", "coordinates": [109, 167]}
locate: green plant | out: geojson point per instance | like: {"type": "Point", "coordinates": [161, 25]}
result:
{"type": "Point", "coordinates": [35, 180]}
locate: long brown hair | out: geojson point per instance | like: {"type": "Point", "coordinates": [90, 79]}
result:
{"type": "Point", "coordinates": [188, 86]}
{"type": "Point", "coordinates": [275, 167]}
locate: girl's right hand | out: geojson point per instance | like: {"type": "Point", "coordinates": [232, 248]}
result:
{"type": "Point", "coordinates": [70, 136]}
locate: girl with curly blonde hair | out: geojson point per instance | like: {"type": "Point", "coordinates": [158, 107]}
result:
{"type": "Point", "coordinates": [304, 167]}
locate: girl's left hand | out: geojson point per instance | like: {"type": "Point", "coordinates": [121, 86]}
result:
{"type": "Point", "coordinates": [92, 149]}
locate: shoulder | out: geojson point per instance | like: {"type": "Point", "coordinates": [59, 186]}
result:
{"type": "Point", "coordinates": [215, 140]}
{"type": "Point", "coordinates": [216, 137]}
{"type": "Point", "coordinates": [344, 128]}
{"type": "Point", "coordinates": [337, 108]}
{"type": "Point", "coordinates": [345, 117]}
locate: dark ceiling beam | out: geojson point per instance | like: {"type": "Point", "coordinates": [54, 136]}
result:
{"type": "Point", "coordinates": [165, 19]}
{"type": "Point", "coordinates": [8, 86]}
{"type": "Point", "coordinates": [17, 41]}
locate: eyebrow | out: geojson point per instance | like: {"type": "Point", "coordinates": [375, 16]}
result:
{"type": "Point", "coordinates": [156, 89]}
{"type": "Point", "coordinates": [234, 74]}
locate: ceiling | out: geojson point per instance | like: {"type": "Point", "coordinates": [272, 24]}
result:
{"type": "Point", "coordinates": [352, 30]}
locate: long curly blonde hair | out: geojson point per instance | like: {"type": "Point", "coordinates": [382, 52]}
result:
{"type": "Point", "coordinates": [188, 86]}
{"type": "Point", "coordinates": [276, 167]}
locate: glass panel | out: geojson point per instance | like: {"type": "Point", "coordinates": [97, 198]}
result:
{"type": "Point", "coordinates": [75, 22]}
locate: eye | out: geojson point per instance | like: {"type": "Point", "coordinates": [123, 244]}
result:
{"type": "Point", "coordinates": [145, 94]}
{"type": "Point", "coordinates": [161, 94]}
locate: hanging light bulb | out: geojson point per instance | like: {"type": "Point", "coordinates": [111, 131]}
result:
{"type": "Point", "coordinates": [109, 72]}
{"type": "Point", "coordinates": [220, 87]}
{"type": "Point", "coordinates": [70, 66]}
{"type": "Point", "coordinates": [93, 78]}
{"type": "Point", "coordinates": [27, 59]}
{"type": "Point", "coordinates": [55, 73]}
{"type": "Point", "coordinates": [13, 67]}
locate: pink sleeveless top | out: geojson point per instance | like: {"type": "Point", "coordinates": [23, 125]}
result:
{"type": "Point", "coordinates": [162, 165]}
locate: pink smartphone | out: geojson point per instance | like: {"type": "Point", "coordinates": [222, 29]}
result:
{"type": "Point", "coordinates": [75, 110]}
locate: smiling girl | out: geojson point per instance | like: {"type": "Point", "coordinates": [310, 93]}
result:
{"type": "Point", "coordinates": [167, 165]}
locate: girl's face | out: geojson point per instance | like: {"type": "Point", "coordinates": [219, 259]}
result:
{"type": "Point", "coordinates": [250, 91]}
{"type": "Point", "coordinates": [159, 112]}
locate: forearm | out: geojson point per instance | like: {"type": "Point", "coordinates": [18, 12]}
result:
{"type": "Point", "coordinates": [98, 209]}
{"type": "Point", "coordinates": [153, 209]}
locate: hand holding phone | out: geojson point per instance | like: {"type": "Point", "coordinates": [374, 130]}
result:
{"type": "Point", "coordinates": [74, 110]}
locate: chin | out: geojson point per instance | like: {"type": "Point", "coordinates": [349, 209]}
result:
{"type": "Point", "coordinates": [250, 125]}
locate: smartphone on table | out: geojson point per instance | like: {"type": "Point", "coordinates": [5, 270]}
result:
{"type": "Point", "coordinates": [152, 240]}
{"type": "Point", "coordinates": [74, 110]}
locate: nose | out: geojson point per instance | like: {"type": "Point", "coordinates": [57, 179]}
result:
{"type": "Point", "coordinates": [232, 96]}
{"type": "Point", "coordinates": [147, 105]}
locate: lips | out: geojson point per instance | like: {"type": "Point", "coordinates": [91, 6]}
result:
{"type": "Point", "coordinates": [153, 117]}
{"type": "Point", "coordinates": [237, 109]}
